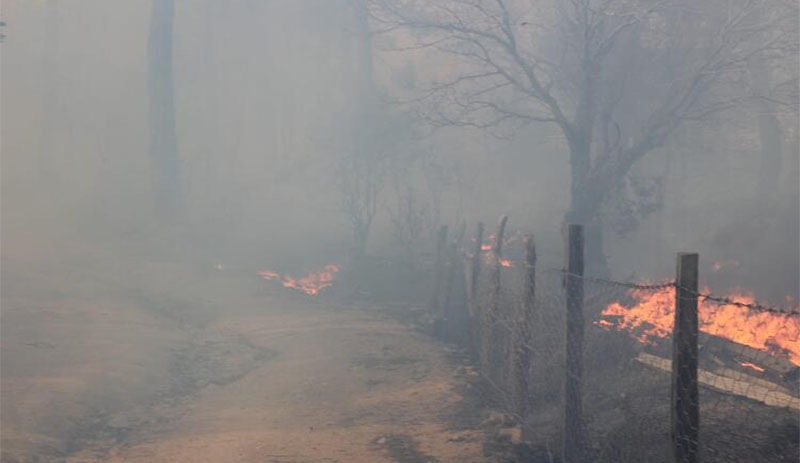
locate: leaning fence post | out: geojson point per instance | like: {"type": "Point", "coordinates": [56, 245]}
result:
{"type": "Point", "coordinates": [521, 362]}
{"type": "Point", "coordinates": [685, 414]}
{"type": "Point", "coordinates": [573, 422]}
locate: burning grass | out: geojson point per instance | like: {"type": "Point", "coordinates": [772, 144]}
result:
{"type": "Point", "coordinates": [311, 284]}
{"type": "Point", "coordinates": [651, 316]}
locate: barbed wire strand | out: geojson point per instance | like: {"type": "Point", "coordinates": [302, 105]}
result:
{"type": "Point", "coordinates": [630, 396]}
{"type": "Point", "coordinates": [722, 300]}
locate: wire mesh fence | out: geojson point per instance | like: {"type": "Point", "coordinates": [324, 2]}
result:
{"type": "Point", "coordinates": [515, 324]}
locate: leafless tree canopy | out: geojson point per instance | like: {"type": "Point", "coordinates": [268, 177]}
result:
{"type": "Point", "coordinates": [616, 77]}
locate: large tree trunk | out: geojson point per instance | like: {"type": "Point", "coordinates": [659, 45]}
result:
{"type": "Point", "coordinates": [163, 147]}
{"type": "Point", "coordinates": [364, 111]}
{"type": "Point", "coordinates": [364, 38]}
{"type": "Point", "coordinates": [49, 161]}
{"type": "Point", "coordinates": [586, 199]}
{"type": "Point", "coordinates": [770, 137]}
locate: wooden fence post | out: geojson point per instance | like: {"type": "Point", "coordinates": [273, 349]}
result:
{"type": "Point", "coordinates": [497, 254]}
{"type": "Point", "coordinates": [438, 269]}
{"type": "Point", "coordinates": [574, 441]}
{"type": "Point", "coordinates": [685, 414]}
{"type": "Point", "coordinates": [475, 268]}
{"type": "Point", "coordinates": [492, 311]}
{"type": "Point", "coordinates": [454, 265]}
{"type": "Point", "coordinates": [521, 361]}
{"type": "Point", "coordinates": [451, 263]}
{"type": "Point", "coordinates": [472, 294]}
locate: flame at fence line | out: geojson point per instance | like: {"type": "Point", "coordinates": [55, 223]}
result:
{"type": "Point", "coordinates": [310, 284]}
{"type": "Point", "coordinates": [490, 260]}
{"type": "Point", "coordinates": [510, 238]}
{"type": "Point", "coordinates": [752, 366]}
{"type": "Point", "coordinates": [652, 316]}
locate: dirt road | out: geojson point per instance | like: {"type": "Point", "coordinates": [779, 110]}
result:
{"type": "Point", "coordinates": [237, 372]}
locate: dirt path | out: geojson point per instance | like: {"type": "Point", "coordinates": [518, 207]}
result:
{"type": "Point", "coordinates": [266, 377]}
{"type": "Point", "coordinates": [345, 385]}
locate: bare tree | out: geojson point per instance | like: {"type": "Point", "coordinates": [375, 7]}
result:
{"type": "Point", "coordinates": [362, 168]}
{"type": "Point", "coordinates": [418, 182]}
{"type": "Point", "coordinates": [381, 144]}
{"type": "Point", "coordinates": [410, 216]}
{"type": "Point", "coordinates": [774, 85]}
{"type": "Point", "coordinates": [163, 147]}
{"type": "Point", "coordinates": [361, 177]}
{"type": "Point", "coordinates": [616, 77]}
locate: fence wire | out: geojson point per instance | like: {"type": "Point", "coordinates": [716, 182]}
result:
{"type": "Point", "coordinates": [749, 398]}
{"type": "Point", "coordinates": [755, 306]}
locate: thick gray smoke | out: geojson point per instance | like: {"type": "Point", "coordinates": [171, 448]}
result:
{"type": "Point", "coordinates": [157, 154]}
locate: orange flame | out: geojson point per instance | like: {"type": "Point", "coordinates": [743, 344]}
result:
{"type": "Point", "coordinates": [509, 239]}
{"type": "Point", "coordinates": [490, 260]}
{"type": "Point", "coordinates": [752, 366]}
{"type": "Point", "coordinates": [311, 284]}
{"type": "Point", "coordinates": [653, 315]}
